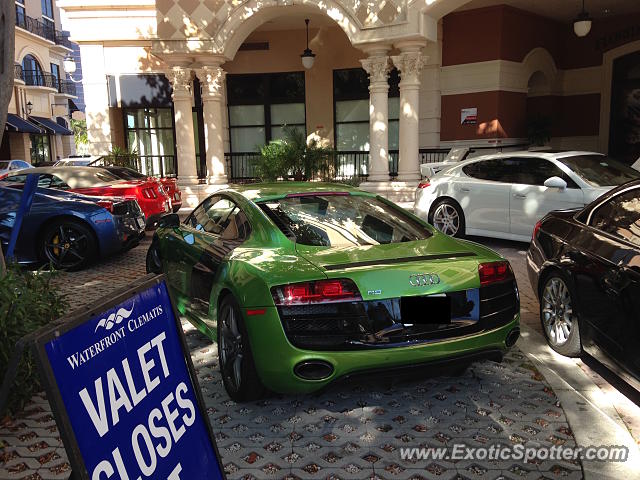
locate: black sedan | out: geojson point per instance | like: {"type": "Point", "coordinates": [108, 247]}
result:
{"type": "Point", "coordinates": [584, 265]}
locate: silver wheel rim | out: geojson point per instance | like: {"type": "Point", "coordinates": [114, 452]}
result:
{"type": "Point", "coordinates": [557, 312]}
{"type": "Point", "coordinates": [231, 348]}
{"type": "Point", "coordinates": [446, 219]}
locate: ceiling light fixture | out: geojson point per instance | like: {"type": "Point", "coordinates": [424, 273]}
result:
{"type": "Point", "coordinates": [582, 23]}
{"type": "Point", "coordinates": [308, 57]}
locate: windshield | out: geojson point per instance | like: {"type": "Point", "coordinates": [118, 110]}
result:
{"type": "Point", "coordinates": [342, 220]}
{"type": "Point", "coordinates": [599, 170]}
{"type": "Point", "coordinates": [4, 165]}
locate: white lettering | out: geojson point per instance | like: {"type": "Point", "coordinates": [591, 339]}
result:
{"type": "Point", "coordinates": [136, 397]}
{"type": "Point", "coordinates": [146, 367]}
{"type": "Point", "coordinates": [175, 474]}
{"type": "Point", "coordinates": [159, 432]}
{"type": "Point", "coordinates": [171, 417]}
{"type": "Point", "coordinates": [147, 470]}
{"type": "Point", "coordinates": [103, 467]}
{"type": "Point", "coordinates": [157, 342]}
{"type": "Point", "coordinates": [185, 403]}
{"type": "Point", "coordinates": [122, 400]}
{"type": "Point", "coordinates": [99, 418]}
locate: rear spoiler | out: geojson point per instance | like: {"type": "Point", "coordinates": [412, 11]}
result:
{"type": "Point", "coordinates": [456, 154]}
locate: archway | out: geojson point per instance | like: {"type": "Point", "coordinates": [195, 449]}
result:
{"type": "Point", "coordinates": [540, 108]}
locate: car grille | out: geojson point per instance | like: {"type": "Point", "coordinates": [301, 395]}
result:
{"type": "Point", "coordinates": [498, 304]}
{"type": "Point", "coordinates": [353, 325]}
{"type": "Point", "coordinates": [127, 207]}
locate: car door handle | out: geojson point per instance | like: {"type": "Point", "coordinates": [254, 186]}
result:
{"type": "Point", "coordinates": [519, 195]}
{"type": "Point", "coordinates": [465, 189]}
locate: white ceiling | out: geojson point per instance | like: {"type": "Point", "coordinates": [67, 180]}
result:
{"type": "Point", "coordinates": [564, 10]}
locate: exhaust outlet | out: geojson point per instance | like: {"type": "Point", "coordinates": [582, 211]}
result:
{"type": "Point", "coordinates": [313, 370]}
{"type": "Point", "coordinates": [512, 337]}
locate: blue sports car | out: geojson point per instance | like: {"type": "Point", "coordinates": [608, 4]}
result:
{"type": "Point", "coordinates": [67, 229]}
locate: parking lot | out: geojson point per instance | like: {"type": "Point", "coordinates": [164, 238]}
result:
{"type": "Point", "coordinates": [347, 431]}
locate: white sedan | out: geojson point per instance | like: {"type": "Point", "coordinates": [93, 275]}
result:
{"type": "Point", "coordinates": [504, 195]}
{"type": "Point", "coordinates": [7, 166]}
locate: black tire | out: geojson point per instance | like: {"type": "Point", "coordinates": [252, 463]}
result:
{"type": "Point", "coordinates": [153, 261]}
{"type": "Point", "coordinates": [239, 375]}
{"type": "Point", "coordinates": [450, 209]}
{"type": "Point", "coordinates": [559, 319]}
{"type": "Point", "coordinates": [68, 245]}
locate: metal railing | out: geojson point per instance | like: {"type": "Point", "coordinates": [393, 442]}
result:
{"type": "Point", "coordinates": [17, 72]}
{"type": "Point", "coordinates": [38, 78]}
{"type": "Point", "coordinates": [432, 155]}
{"type": "Point", "coordinates": [67, 87]}
{"type": "Point", "coordinates": [63, 39]}
{"type": "Point", "coordinates": [150, 165]}
{"type": "Point", "coordinates": [35, 26]}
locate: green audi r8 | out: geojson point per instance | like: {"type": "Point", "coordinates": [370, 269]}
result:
{"type": "Point", "coordinates": [302, 284]}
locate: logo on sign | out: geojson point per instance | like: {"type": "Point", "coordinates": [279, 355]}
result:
{"type": "Point", "coordinates": [115, 318]}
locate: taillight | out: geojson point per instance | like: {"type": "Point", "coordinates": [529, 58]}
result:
{"type": "Point", "coordinates": [321, 291]}
{"type": "Point", "coordinates": [424, 184]}
{"type": "Point", "coordinates": [494, 272]}
{"type": "Point", "coordinates": [536, 229]}
{"type": "Point", "coordinates": [108, 204]}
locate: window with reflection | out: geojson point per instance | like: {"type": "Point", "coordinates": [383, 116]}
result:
{"type": "Point", "coordinates": [149, 133]}
{"type": "Point", "coordinates": [620, 216]}
{"type": "Point", "coordinates": [32, 70]}
{"type": "Point", "coordinates": [261, 105]}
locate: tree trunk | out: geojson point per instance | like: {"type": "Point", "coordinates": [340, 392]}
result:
{"type": "Point", "coordinates": [7, 52]}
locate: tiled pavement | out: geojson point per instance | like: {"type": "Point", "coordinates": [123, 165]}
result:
{"type": "Point", "coordinates": [350, 432]}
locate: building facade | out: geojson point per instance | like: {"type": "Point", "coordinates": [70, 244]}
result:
{"type": "Point", "coordinates": [37, 128]}
{"type": "Point", "coordinates": [195, 87]}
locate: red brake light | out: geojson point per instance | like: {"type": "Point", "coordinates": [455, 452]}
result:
{"type": "Point", "coordinates": [108, 204]}
{"type": "Point", "coordinates": [536, 229]}
{"type": "Point", "coordinates": [494, 272]}
{"type": "Point", "coordinates": [321, 291]}
{"type": "Point", "coordinates": [424, 184]}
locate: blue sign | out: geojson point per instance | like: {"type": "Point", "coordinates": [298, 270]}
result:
{"type": "Point", "coordinates": [128, 394]}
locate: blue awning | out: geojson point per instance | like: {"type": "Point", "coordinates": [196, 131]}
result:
{"type": "Point", "coordinates": [51, 126]}
{"type": "Point", "coordinates": [20, 125]}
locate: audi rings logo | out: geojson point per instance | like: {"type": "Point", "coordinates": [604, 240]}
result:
{"type": "Point", "coordinates": [423, 279]}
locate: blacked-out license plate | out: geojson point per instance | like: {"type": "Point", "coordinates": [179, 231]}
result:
{"type": "Point", "coordinates": [427, 309]}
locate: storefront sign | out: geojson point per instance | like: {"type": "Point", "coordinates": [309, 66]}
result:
{"type": "Point", "coordinates": [469, 116]}
{"type": "Point", "coordinates": [124, 393]}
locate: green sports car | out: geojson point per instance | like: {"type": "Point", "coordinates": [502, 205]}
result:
{"type": "Point", "coordinates": [303, 284]}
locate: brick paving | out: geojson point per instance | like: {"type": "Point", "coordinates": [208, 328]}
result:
{"type": "Point", "coordinates": [348, 432]}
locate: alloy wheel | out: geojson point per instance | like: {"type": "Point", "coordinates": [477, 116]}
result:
{"type": "Point", "coordinates": [557, 311]}
{"type": "Point", "coordinates": [230, 344]}
{"type": "Point", "coordinates": [67, 246]}
{"type": "Point", "coordinates": [446, 219]}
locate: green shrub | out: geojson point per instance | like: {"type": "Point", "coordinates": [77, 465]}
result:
{"type": "Point", "coordinates": [295, 157]}
{"type": "Point", "coordinates": [27, 302]}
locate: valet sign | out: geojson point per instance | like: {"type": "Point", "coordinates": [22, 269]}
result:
{"type": "Point", "coordinates": [124, 392]}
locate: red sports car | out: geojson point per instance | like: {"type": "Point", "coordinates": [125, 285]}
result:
{"type": "Point", "coordinates": [98, 181]}
{"type": "Point", "coordinates": [169, 184]}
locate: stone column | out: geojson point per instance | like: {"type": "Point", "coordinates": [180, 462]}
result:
{"type": "Point", "coordinates": [377, 66]}
{"type": "Point", "coordinates": [212, 80]}
{"type": "Point", "coordinates": [409, 63]}
{"type": "Point", "coordinates": [180, 78]}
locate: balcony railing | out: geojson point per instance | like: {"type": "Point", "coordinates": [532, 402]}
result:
{"type": "Point", "coordinates": [67, 87]}
{"type": "Point", "coordinates": [63, 39]}
{"type": "Point", "coordinates": [35, 26]}
{"type": "Point", "coordinates": [37, 78]}
{"type": "Point", "coordinates": [17, 72]}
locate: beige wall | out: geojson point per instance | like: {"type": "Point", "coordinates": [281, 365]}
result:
{"type": "Point", "coordinates": [333, 51]}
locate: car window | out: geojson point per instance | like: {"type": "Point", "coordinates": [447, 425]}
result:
{"type": "Point", "coordinates": [620, 216]}
{"type": "Point", "coordinates": [495, 170]}
{"type": "Point", "coordinates": [535, 171]}
{"type": "Point", "coordinates": [44, 181]}
{"type": "Point", "coordinates": [16, 178]}
{"type": "Point", "coordinates": [211, 215]}
{"type": "Point", "coordinates": [342, 220]}
{"type": "Point", "coordinates": [236, 226]}
{"type": "Point", "coordinates": [600, 170]}
{"type": "Point", "coordinates": [4, 165]}
{"type": "Point", "coordinates": [57, 182]}
{"type": "Point", "coordinates": [15, 166]}
{"type": "Point", "coordinates": [23, 164]}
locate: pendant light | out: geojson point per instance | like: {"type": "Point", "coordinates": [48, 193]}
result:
{"type": "Point", "coordinates": [308, 57]}
{"type": "Point", "coordinates": [582, 23]}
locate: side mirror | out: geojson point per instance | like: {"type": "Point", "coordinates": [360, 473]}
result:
{"type": "Point", "coordinates": [169, 220]}
{"type": "Point", "coordinates": [555, 182]}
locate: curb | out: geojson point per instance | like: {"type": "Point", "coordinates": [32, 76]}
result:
{"type": "Point", "coordinates": [591, 416]}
